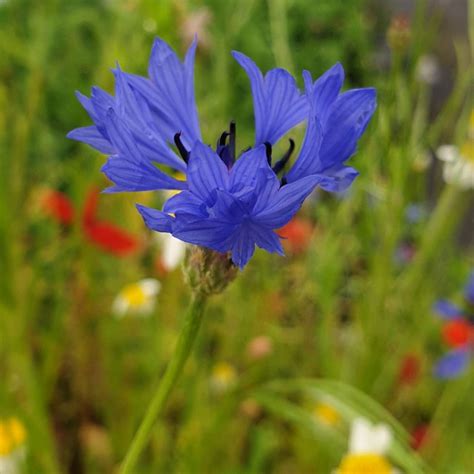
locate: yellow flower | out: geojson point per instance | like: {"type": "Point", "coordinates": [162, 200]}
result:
{"type": "Point", "coordinates": [223, 377]}
{"type": "Point", "coordinates": [12, 446]}
{"type": "Point", "coordinates": [364, 464]}
{"type": "Point", "coordinates": [12, 435]}
{"type": "Point", "coordinates": [137, 298]}
{"type": "Point", "coordinates": [326, 414]}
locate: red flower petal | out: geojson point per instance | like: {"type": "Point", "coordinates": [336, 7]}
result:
{"type": "Point", "coordinates": [111, 238]}
{"type": "Point", "coordinates": [58, 206]}
{"type": "Point", "coordinates": [410, 369]}
{"type": "Point", "coordinates": [298, 233]}
{"type": "Point", "coordinates": [89, 211]}
{"type": "Point", "coordinates": [457, 333]}
{"type": "Point", "coordinates": [419, 436]}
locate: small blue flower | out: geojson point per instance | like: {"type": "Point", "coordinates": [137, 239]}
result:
{"type": "Point", "coordinates": [227, 203]}
{"type": "Point", "coordinates": [458, 333]}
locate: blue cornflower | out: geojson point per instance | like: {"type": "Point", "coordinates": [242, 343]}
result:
{"type": "Point", "coordinates": [458, 333]}
{"type": "Point", "coordinates": [227, 203]}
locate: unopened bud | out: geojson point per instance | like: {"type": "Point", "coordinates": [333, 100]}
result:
{"type": "Point", "coordinates": [399, 33]}
{"type": "Point", "coordinates": [208, 272]}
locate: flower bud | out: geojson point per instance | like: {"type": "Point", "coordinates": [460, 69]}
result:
{"type": "Point", "coordinates": [208, 272]}
{"type": "Point", "coordinates": [399, 34]}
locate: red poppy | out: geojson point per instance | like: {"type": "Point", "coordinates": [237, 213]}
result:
{"type": "Point", "coordinates": [103, 234]}
{"type": "Point", "coordinates": [419, 436]}
{"type": "Point", "coordinates": [297, 235]}
{"type": "Point", "coordinates": [58, 206]}
{"type": "Point", "coordinates": [457, 333]}
{"type": "Point", "coordinates": [410, 369]}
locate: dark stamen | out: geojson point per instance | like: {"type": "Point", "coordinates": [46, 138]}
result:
{"type": "Point", "coordinates": [223, 138]}
{"type": "Point", "coordinates": [268, 151]}
{"type": "Point", "coordinates": [232, 131]}
{"type": "Point", "coordinates": [280, 164]}
{"type": "Point", "coordinates": [179, 145]}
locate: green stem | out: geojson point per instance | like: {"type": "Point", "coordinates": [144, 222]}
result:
{"type": "Point", "coordinates": [440, 227]}
{"type": "Point", "coordinates": [279, 33]}
{"type": "Point", "coordinates": [173, 371]}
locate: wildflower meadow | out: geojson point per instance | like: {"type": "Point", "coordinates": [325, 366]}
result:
{"type": "Point", "coordinates": [236, 237]}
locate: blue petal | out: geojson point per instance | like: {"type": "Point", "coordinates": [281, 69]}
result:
{"type": "Point", "coordinates": [86, 102]}
{"type": "Point", "coordinates": [206, 172]}
{"type": "Point", "coordinates": [134, 110]}
{"type": "Point", "coordinates": [339, 180]}
{"type": "Point", "coordinates": [101, 102]}
{"type": "Point", "coordinates": [453, 364]}
{"type": "Point", "coordinates": [187, 203]}
{"type": "Point", "coordinates": [284, 204]}
{"type": "Point", "coordinates": [278, 104]}
{"type": "Point", "coordinates": [134, 176]}
{"type": "Point", "coordinates": [96, 106]}
{"type": "Point", "coordinates": [335, 124]}
{"type": "Point", "coordinates": [155, 219]}
{"type": "Point", "coordinates": [174, 83]}
{"type": "Point", "coordinates": [121, 137]}
{"type": "Point", "coordinates": [325, 90]}
{"type": "Point", "coordinates": [129, 170]}
{"type": "Point", "coordinates": [252, 179]}
{"type": "Point", "coordinates": [267, 239]}
{"type": "Point", "coordinates": [91, 136]}
{"type": "Point", "coordinates": [245, 172]}
{"type": "Point", "coordinates": [348, 120]}
{"type": "Point", "coordinates": [243, 247]}
{"type": "Point", "coordinates": [447, 310]}
{"type": "Point", "coordinates": [228, 208]}
{"type": "Point", "coordinates": [215, 234]}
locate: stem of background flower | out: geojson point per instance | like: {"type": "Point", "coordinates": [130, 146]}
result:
{"type": "Point", "coordinates": [173, 371]}
{"type": "Point", "coordinates": [440, 226]}
{"type": "Point", "coordinates": [279, 32]}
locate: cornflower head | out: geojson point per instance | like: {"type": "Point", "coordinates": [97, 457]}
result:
{"type": "Point", "coordinates": [458, 333]}
{"type": "Point", "coordinates": [228, 202]}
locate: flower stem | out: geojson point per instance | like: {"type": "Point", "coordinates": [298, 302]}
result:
{"type": "Point", "coordinates": [173, 371]}
{"type": "Point", "coordinates": [440, 227]}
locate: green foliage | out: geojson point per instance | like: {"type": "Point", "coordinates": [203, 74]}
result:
{"type": "Point", "coordinates": [341, 315]}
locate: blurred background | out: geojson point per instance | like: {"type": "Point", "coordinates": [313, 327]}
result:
{"type": "Point", "coordinates": [348, 324]}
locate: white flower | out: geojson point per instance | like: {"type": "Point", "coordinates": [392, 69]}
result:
{"type": "Point", "coordinates": [172, 251]}
{"type": "Point", "coordinates": [427, 69]}
{"type": "Point", "coordinates": [12, 464]}
{"type": "Point", "coordinates": [458, 166]}
{"type": "Point", "coordinates": [368, 446]}
{"type": "Point", "coordinates": [459, 162]}
{"type": "Point", "coordinates": [368, 438]}
{"type": "Point", "coordinates": [137, 298]}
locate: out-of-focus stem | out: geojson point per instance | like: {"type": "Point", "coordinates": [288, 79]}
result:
{"type": "Point", "coordinates": [439, 227]}
{"type": "Point", "coordinates": [279, 32]}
